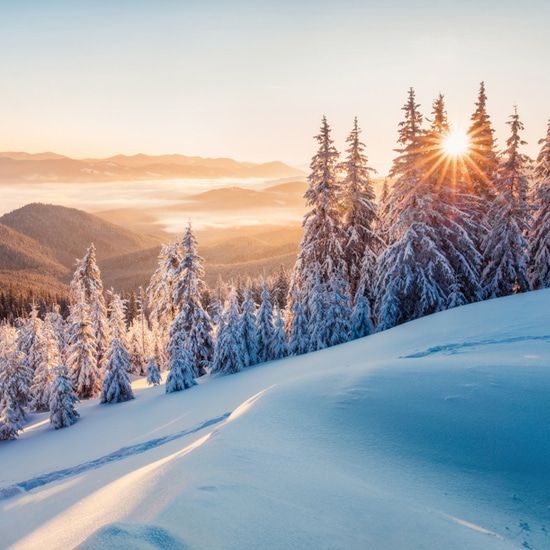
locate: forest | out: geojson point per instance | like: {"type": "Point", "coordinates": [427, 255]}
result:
{"type": "Point", "coordinates": [456, 223]}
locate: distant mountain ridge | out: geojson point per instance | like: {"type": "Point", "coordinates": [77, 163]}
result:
{"type": "Point", "coordinates": [50, 167]}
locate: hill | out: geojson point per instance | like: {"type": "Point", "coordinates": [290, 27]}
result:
{"type": "Point", "coordinates": [434, 434]}
{"type": "Point", "coordinates": [40, 244]}
{"type": "Point", "coordinates": [50, 167]}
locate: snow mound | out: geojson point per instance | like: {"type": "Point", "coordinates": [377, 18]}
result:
{"type": "Point", "coordinates": [435, 434]}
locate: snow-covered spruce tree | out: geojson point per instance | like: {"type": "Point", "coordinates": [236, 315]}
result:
{"type": "Point", "coordinates": [323, 239]}
{"type": "Point", "coordinates": [117, 318]}
{"type": "Point", "coordinates": [180, 375]}
{"type": "Point", "coordinates": [116, 385]}
{"type": "Point", "coordinates": [482, 159]}
{"type": "Point", "coordinates": [452, 223]}
{"type": "Point", "coordinates": [539, 266]}
{"type": "Point", "coordinates": [299, 336]}
{"type": "Point", "coordinates": [153, 374]}
{"type": "Point", "coordinates": [192, 324]}
{"type": "Point", "coordinates": [87, 286]}
{"type": "Point", "coordinates": [29, 341]}
{"type": "Point", "coordinates": [162, 287]}
{"type": "Point", "coordinates": [14, 388]}
{"type": "Point", "coordinates": [360, 217]}
{"type": "Point", "coordinates": [139, 338]}
{"type": "Point", "coordinates": [361, 317]}
{"type": "Point", "coordinates": [280, 288]}
{"type": "Point", "coordinates": [264, 320]}
{"type": "Point", "coordinates": [228, 352]}
{"type": "Point", "coordinates": [62, 399]}
{"type": "Point", "coordinates": [249, 331]}
{"type": "Point", "coordinates": [279, 345]}
{"type": "Point", "coordinates": [413, 273]}
{"type": "Point", "coordinates": [505, 247]}
{"type": "Point", "coordinates": [82, 349]}
{"type": "Point", "coordinates": [50, 358]}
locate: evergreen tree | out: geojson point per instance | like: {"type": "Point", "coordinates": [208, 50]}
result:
{"type": "Point", "coordinates": [14, 388]}
{"type": "Point", "coordinates": [338, 312]}
{"type": "Point", "coordinates": [182, 369]}
{"type": "Point", "coordinates": [413, 274]}
{"type": "Point", "coordinates": [62, 400]}
{"type": "Point", "coordinates": [482, 159]}
{"type": "Point", "coordinates": [249, 331]}
{"type": "Point", "coordinates": [359, 208]}
{"type": "Point", "coordinates": [265, 324]}
{"type": "Point", "coordinates": [82, 349]}
{"type": "Point", "coordinates": [278, 346]}
{"type": "Point", "coordinates": [87, 286]}
{"type": "Point", "coordinates": [228, 352]}
{"type": "Point", "coordinates": [505, 248]}
{"type": "Point", "coordinates": [539, 267]}
{"type": "Point", "coordinates": [323, 239]}
{"type": "Point", "coordinates": [153, 374]}
{"type": "Point", "coordinates": [116, 385]}
{"type": "Point", "coordinates": [299, 335]}
{"type": "Point", "coordinates": [29, 342]}
{"type": "Point", "coordinates": [192, 324]}
{"type": "Point", "coordinates": [50, 358]}
{"type": "Point", "coordinates": [162, 288]}
{"type": "Point", "coordinates": [139, 336]}
{"type": "Point", "coordinates": [361, 324]}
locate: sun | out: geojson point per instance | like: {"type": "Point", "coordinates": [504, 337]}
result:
{"type": "Point", "coordinates": [456, 143]}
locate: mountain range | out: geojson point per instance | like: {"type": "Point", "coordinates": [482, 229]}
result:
{"type": "Point", "coordinates": [18, 167]}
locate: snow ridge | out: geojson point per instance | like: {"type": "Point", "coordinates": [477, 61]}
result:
{"type": "Point", "coordinates": [120, 454]}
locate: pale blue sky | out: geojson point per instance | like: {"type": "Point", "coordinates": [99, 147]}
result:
{"type": "Point", "coordinates": [251, 79]}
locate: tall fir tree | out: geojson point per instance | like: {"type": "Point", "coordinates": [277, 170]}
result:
{"type": "Point", "coordinates": [323, 238]}
{"type": "Point", "coordinates": [279, 346]}
{"type": "Point", "coordinates": [249, 331]}
{"type": "Point", "coordinates": [413, 273]}
{"type": "Point", "coordinates": [14, 385]}
{"type": "Point", "coordinates": [87, 286]}
{"type": "Point", "coordinates": [539, 265]}
{"type": "Point", "coordinates": [192, 324]}
{"type": "Point", "coordinates": [82, 350]}
{"type": "Point", "coordinates": [264, 320]}
{"type": "Point", "coordinates": [359, 209]}
{"type": "Point", "coordinates": [153, 374]}
{"type": "Point", "coordinates": [505, 247]}
{"type": "Point", "coordinates": [482, 158]}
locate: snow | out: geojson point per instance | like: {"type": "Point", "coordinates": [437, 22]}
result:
{"type": "Point", "coordinates": [434, 434]}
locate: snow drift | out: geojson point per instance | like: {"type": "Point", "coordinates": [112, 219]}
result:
{"type": "Point", "coordinates": [434, 434]}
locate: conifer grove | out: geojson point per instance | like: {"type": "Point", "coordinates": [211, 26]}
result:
{"type": "Point", "coordinates": [448, 227]}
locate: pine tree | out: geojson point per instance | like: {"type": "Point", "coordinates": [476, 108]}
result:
{"type": "Point", "coordinates": [278, 346]}
{"type": "Point", "coordinates": [414, 273]}
{"type": "Point", "coordinates": [359, 208]}
{"type": "Point", "coordinates": [29, 342]}
{"type": "Point", "coordinates": [116, 385]}
{"type": "Point", "coordinates": [139, 336]}
{"type": "Point", "coordinates": [228, 352]}
{"type": "Point", "coordinates": [361, 324]}
{"type": "Point", "coordinates": [482, 159]}
{"type": "Point", "coordinates": [82, 349]}
{"type": "Point", "coordinates": [505, 248]}
{"type": "Point", "coordinates": [182, 369]}
{"type": "Point", "coordinates": [50, 358]}
{"type": "Point", "coordinates": [323, 239]}
{"type": "Point", "coordinates": [192, 324]}
{"type": "Point", "coordinates": [162, 288]}
{"type": "Point", "coordinates": [264, 319]}
{"type": "Point", "coordinates": [153, 374]}
{"type": "Point", "coordinates": [62, 400]}
{"type": "Point", "coordinates": [539, 267]}
{"type": "Point", "coordinates": [249, 331]}
{"type": "Point", "coordinates": [299, 335]}
{"type": "Point", "coordinates": [87, 286]}
{"type": "Point", "coordinates": [14, 388]}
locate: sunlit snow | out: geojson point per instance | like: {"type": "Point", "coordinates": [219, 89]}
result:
{"type": "Point", "coordinates": [434, 435]}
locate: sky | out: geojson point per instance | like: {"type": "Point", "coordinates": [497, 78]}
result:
{"type": "Point", "coordinates": [251, 79]}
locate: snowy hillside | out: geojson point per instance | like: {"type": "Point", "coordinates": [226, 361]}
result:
{"type": "Point", "coordinates": [434, 435]}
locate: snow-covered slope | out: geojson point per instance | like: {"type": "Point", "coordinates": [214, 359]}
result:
{"type": "Point", "coordinates": [434, 435]}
